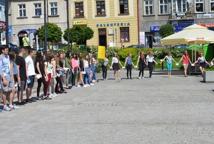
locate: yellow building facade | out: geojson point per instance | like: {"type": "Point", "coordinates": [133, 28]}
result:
{"type": "Point", "coordinates": [114, 22]}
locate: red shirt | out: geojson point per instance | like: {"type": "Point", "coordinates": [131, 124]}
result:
{"type": "Point", "coordinates": [186, 59]}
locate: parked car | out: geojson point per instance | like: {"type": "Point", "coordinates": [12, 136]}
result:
{"type": "Point", "coordinates": [136, 46]}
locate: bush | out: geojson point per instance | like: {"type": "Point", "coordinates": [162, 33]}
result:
{"type": "Point", "coordinates": [166, 30]}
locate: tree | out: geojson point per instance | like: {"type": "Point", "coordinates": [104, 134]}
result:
{"type": "Point", "coordinates": [54, 33]}
{"type": "Point", "coordinates": [78, 34]}
{"type": "Point", "coordinates": [166, 30]}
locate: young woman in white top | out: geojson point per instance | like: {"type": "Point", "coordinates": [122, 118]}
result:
{"type": "Point", "coordinates": [87, 72]}
{"type": "Point", "coordinates": [150, 59]}
{"type": "Point", "coordinates": [115, 65]}
{"type": "Point", "coordinates": [202, 62]}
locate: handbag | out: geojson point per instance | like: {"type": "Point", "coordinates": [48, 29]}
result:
{"type": "Point", "coordinates": [38, 76]}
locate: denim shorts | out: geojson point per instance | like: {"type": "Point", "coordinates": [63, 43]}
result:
{"type": "Point", "coordinates": [30, 81]}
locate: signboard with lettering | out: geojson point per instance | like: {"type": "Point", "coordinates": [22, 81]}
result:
{"type": "Point", "coordinates": [116, 24]}
{"type": "Point", "coordinates": [155, 28]}
{"type": "Point", "coordinates": [79, 23]}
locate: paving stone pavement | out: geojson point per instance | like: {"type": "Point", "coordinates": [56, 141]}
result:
{"type": "Point", "coordinates": [149, 111]}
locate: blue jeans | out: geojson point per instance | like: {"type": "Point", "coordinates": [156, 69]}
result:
{"type": "Point", "coordinates": [87, 79]}
{"type": "Point", "coordinates": [93, 69]}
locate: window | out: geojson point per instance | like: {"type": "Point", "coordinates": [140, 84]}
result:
{"type": "Point", "coordinates": [54, 9]}
{"type": "Point", "coordinates": [163, 7]}
{"type": "Point", "coordinates": [101, 11]}
{"type": "Point", "coordinates": [22, 10]}
{"type": "Point", "coordinates": [124, 34]}
{"type": "Point", "coordinates": [38, 9]}
{"type": "Point", "coordinates": [148, 7]}
{"type": "Point", "coordinates": [79, 9]}
{"type": "Point", "coordinates": [199, 6]}
{"type": "Point", "coordinates": [212, 5]}
{"type": "Point", "coordinates": [124, 7]}
{"type": "Point", "coordinates": [182, 6]}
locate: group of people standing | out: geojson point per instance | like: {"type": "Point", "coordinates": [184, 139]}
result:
{"type": "Point", "coordinates": [54, 73]}
{"type": "Point", "coordinates": [148, 60]}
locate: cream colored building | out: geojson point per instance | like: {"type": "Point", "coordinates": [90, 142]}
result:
{"type": "Point", "coordinates": [115, 22]}
{"type": "Point", "coordinates": [27, 16]}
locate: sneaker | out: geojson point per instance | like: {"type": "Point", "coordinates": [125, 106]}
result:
{"type": "Point", "coordinates": [6, 108]}
{"type": "Point", "coordinates": [93, 81]}
{"type": "Point", "coordinates": [78, 86]}
{"type": "Point", "coordinates": [13, 107]}
{"type": "Point", "coordinates": [91, 84]}
{"type": "Point", "coordinates": [139, 78]}
{"type": "Point", "coordinates": [51, 95]}
{"type": "Point", "coordinates": [86, 85]}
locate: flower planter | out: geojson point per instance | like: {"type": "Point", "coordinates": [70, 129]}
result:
{"type": "Point", "coordinates": [209, 76]}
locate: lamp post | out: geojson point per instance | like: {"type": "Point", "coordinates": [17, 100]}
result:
{"type": "Point", "coordinates": [45, 24]}
{"type": "Point", "coordinates": [7, 21]}
{"type": "Point", "coordinates": [68, 23]}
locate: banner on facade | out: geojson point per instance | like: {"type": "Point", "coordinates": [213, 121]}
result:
{"type": "Point", "coordinates": [142, 38]}
{"type": "Point", "coordinates": [101, 52]}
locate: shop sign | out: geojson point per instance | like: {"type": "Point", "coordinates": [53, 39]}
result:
{"type": "Point", "coordinates": [155, 28]}
{"type": "Point", "coordinates": [79, 23]}
{"type": "Point", "coordinates": [113, 24]}
{"type": "Point", "coordinates": [180, 25]}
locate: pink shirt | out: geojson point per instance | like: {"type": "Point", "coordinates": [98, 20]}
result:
{"type": "Point", "coordinates": [74, 63]}
{"type": "Point", "coordinates": [185, 59]}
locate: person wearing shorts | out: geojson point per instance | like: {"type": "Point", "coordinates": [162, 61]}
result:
{"type": "Point", "coordinates": [202, 63]}
{"type": "Point", "coordinates": [22, 76]}
{"type": "Point", "coordinates": [6, 84]}
{"type": "Point", "coordinates": [186, 61]}
{"type": "Point", "coordinates": [30, 74]}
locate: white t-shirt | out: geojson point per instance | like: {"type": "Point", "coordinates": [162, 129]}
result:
{"type": "Point", "coordinates": [150, 58]}
{"type": "Point", "coordinates": [115, 60]}
{"type": "Point", "coordinates": [30, 66]}
{"type": "Point", "coordinates": [201, 59]}
{"type": "Point", "coordinates": [86, 64]}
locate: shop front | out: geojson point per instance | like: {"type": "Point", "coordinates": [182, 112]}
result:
{"type": "Point", "coordinates": [112, 33]}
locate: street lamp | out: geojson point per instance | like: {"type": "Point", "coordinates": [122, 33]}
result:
{"type": "Point", "coordinates": [45, 24]}
{"type": "Point", "coordinates": [7, 21]}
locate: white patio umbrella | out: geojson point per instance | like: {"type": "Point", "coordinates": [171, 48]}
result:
{"type": "Point", "coordinates": [194, 34]}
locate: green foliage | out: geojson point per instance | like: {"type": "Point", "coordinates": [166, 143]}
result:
{"type": "Point", "coordinates": [54, 33]}
{"type": "Point", "coordinates": [78, 34]}
{"type": "Point", "coordinates": [67, 35]}
{"type": "Point", "coordinates": [210, 68]}
{"type": "Point", "coordinates": [123, 53]}
{"type": "Point", "coordinates": [166, 30]}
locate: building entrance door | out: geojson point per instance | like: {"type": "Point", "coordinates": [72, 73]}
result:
{"type": "Point", "coordinates": [102, 37]}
